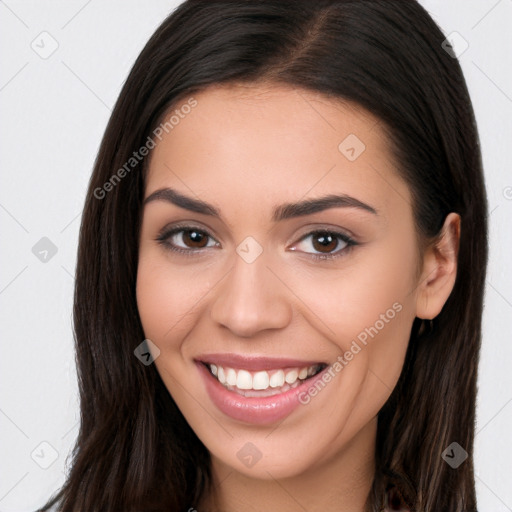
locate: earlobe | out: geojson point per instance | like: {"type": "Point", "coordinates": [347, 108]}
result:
{"type": "Point", "coordinates": [439, 270]}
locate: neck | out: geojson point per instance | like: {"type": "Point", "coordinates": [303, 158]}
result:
{"type": "Point", "coordinates": [341, 483]}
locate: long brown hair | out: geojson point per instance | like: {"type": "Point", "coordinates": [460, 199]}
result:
{"type": "Point", "coordinates": [135, 451]}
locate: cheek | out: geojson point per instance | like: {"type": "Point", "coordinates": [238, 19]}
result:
{"type": "Point", "coordinates": [366, 310]}
{"type": "Point", "coordinates": [166, 298]}
{"type": "Point", "coordinates": [370, 296]}
{"type": "Point", "coordinates": [169, 302]}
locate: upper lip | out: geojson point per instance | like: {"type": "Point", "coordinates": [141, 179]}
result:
{"type": "Point", "coordinates": [254, 363]}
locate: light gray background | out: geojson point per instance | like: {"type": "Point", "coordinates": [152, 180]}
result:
{"type": "Point", "coordinates": [54, 111]}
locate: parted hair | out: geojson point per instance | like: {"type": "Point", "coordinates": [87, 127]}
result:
{"type": "Point", "coordinates": [135, 451]}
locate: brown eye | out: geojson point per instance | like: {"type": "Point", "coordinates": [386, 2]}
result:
{"type": "Point", "coordinates": [324, 242]}
{"type": "Point", "coordinates": [194, 239]}
{"type": "Point", "coordinates": [186, 239]}
{"type": "Point", "coordinates": [323, 245]}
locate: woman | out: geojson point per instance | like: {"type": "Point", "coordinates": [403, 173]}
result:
{"type": "Point", "coordinates": [281, 265]}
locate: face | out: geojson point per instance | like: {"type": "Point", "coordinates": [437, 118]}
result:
{"type": "Point", "coordinates": [277, 275]}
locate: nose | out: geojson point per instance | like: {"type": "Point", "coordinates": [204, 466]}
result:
{"type": "Point", "coordinates": [251, 299]}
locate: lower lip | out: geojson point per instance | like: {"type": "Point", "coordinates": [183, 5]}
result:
{"type": "Point", "coordinates": [258, 411]}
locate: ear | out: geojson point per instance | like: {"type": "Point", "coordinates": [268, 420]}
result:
{"type": "Point", "coordinates": [439, 270]}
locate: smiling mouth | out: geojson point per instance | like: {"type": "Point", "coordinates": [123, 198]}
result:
{"type": "Point", "coordinates": [262, 383]}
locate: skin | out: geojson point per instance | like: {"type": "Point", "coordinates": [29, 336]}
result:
{"type": "Point", "coordinates": [246, 149]}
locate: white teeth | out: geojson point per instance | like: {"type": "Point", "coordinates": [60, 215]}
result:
{"type": "Point", "coordinates": [244, 380]}
{"type": "Point", "coordinates": [261, 380]}
{"type": "Point", "coordinates": [277, 379]}
{"type": "Point", "coordinates": [291, 376]}
{"type": "Point", "coordinates": [231, 377]}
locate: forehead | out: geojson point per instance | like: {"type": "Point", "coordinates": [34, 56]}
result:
{"type": "Point", "coordinates": [292, 114]}
{"type": "Point", "coordinates": [274, 142]}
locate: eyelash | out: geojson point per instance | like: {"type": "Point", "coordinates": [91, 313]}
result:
{"type": "Point", "coordinates": [165, 235]}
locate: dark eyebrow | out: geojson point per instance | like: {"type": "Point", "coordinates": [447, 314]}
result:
{"type": "Point", "coordinates": [188, 203]}
{"type": "Point", "coordinates": [282, 212]}
{"type": "Point", "coordinates": [310, 206]}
